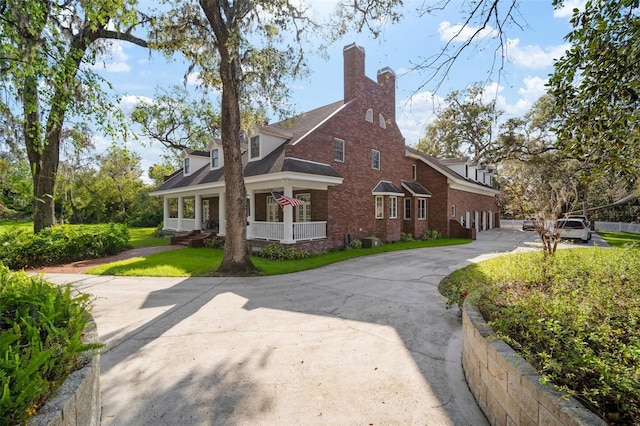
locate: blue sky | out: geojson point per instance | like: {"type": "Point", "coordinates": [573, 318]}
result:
{"type": "Point", "coordinates": [531, 48]}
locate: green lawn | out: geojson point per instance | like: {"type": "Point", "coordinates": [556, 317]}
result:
{"type": "Point", "coordinates": [619, 239]}
{"type": "Point", "coordinates": [204, 261]}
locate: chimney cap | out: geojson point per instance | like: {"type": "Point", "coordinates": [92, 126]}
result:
{"type": "Point", "coordinates": [386, 70]}
{"type": "Point", "coordinates": [351, 46]}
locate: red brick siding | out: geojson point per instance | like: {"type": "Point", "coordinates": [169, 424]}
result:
{"type": "Point", "coordinates": [352, 203]}
{"type": "Point", "coordinates": [467, 201]}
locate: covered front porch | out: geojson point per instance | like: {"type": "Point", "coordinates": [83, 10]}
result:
{"type": "Point", "coordinates": [204, 209]}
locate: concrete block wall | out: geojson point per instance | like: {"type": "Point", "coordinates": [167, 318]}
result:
{"type": "Point", "coordinates": [77, 401]}
{"type": "Point", "coordinates": [507, 388]}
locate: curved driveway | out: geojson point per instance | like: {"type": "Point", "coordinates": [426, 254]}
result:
{"type": "Point", "coordinates": [364, 342]}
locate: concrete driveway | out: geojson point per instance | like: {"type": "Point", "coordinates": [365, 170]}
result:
{"type": "Point", "coordinates": [363, 342]}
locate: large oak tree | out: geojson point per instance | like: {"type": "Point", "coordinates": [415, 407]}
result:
{"type": "Point", "coordinates": [47, 47]}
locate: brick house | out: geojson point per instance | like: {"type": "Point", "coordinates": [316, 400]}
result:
{"type": "Point", "coordinates": [348, 165]}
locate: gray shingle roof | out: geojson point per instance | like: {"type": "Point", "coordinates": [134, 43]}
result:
{"type": "Point", "coordinates": [415, 188]}
{"type": "Point", "coordinates": [386, 187]}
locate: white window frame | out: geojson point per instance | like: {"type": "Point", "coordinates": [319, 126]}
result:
{"type": "Point", "coordinates": [414, 171]}
{"type": "Point", "coordinates": [338, 150]}
{"type": "Point", "coordinates": [379, 207]}
{"type": "Point", "coordinates": [382, 122]}
{"type": "Point", "coordinates": [186, 166]}
{"type": "Point", "coordinates": [273, 209]}
{"type": "Point", "coordinates": [421, 206]}
{"type": "Point", "coordinates": [453, 210]}
{"type": "Point", "coordinates": [215, 164]}
{"type": "Point", "coordinates": [369, 115]}
{"type": "Point", "coordinates": [303, 211]}
{"type": "Point", "coordinates": [407, 208]}
{"type": "Point", "coordinates": [252, 146]}
{"type": "Point", "coordinates": [393, 207]}
{"type": "Point", "coordinates": [375, 159]}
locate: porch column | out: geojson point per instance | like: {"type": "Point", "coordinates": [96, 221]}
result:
{"type": "Point", "coordinates": [252, 212]}
{"type": "Point", "coordinates": [165, 210]}
{"type": "Point", "coordinates": [180, 212]}
{"type": "Point", "coordinates": [198, 212]}
{"type": "Point", "coordinates": [222, 214]}
{"type": "Point", "coordinates": [287, 213]}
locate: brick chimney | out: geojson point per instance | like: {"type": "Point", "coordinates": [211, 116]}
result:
{"type": "Point", "coordinates": [387, 81]}
{"type": "Point", "coordinates": [353, 70]}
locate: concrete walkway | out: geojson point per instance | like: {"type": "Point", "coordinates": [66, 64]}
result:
{"type": "Point", "coordinates": [363, 342]}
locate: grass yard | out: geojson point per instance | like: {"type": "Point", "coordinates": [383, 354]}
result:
{"type": "Point", "coordinates": [619, 239]}
{"type": "Point", "coordinates": [193, 262]}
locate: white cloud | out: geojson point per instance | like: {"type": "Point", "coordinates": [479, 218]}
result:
{"type": "Point", "coordinates": [114, 59]}
{"type": "Point", "coordinates": [128, 102]}
{"type": "Point", "coordinates": [194, 79]}
{"type": "Point", "coordinates": [415, 113]}
{"type": "Point", "coordinates": [460, 33]}
{"type": "Point", "coordinates": [534, 56]}
{"type": "Point", "coordinates": [566, 11]}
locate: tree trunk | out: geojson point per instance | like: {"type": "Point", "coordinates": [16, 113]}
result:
{"type": "Point", "coordinates": [236, 259]}
{"type": "Point", "coordinates": [43, 158]}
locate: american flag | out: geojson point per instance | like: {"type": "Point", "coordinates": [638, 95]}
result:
{"type": "Point", "coordinates": [286, 201]}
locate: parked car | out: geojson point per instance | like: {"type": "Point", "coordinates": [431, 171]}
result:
{"type": "Point", "coordinates": [573, 229]}
{"type": "Point", "coordinates": [582, 218]}
{"type": "Point", "coordinates": [527, 225]}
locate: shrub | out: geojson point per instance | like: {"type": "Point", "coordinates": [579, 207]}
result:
{"type": "Point", "coordinates": [58, 244]}
{"type": "Point", "coordinates": [214, 242]}
{"type": "Point", "coordinates": [41, 329]}
{"type": "Point", "coordinates": [573, 316]}
{"type": "Point", "coordinates": [276, 251]}
{"type": "Point", "coordinates": [356, 244]}
{"type": "Point", "coordinates": [406, 237]}
{"type": "Point", "coordinates": [430, 234]}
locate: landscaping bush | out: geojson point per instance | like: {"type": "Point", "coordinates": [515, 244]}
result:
{"type": "Point", "coordinates": [276, 251]}
{"type": "Point", "coordinates": [41, 330]}
{"type": "Point", "coordinates": [214, 242]}
{"type": "Point", "coordinates": [356, 244]}
{"type": "Point", "coordinates": [59, 244]}
{"type": "Point", "coordinates": [574, 316]}
{"type": "Point", "coordinates": [406, 237]}
{"type": "Point", "coordinates": [430, 234]}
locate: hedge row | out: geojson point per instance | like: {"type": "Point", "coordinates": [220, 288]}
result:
{"type": "Point", "coordinates": [61, 244]}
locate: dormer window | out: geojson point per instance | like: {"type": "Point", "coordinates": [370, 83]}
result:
{"type": "Point", "coordinates": [186, 166]}
{"type": "Point", "coordinates": [215, 158]}
{"type": "Point", "coordinates": [382, 121]}
{"type": "Point", "coordinates": [254, 148]}
{"type": "Point", "coordinates": [369, 115]}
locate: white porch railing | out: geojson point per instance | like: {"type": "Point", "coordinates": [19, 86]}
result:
{"type": "Point", "coordinates": [301, 230]}
{"type": "Point", "coordinates": [176, 225]}
{"type": "Point", "coordinates": [309, 230]}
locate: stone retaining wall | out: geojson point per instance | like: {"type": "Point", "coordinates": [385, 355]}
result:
{"type": "Point", "coordinates": [77, 400]}
{"type": "Point", "coordinates": [506, 387]}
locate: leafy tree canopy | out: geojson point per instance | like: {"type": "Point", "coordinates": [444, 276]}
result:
{"type": "Point", "coordinates": [596, 86]}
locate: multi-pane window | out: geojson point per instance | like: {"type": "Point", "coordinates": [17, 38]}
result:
{"type": "Point", "coordinates": [186, 166]}
{"type": "Point", "coordinates": [393, 207]}
{"type": "Point", "coordinates": [303, 211]}
{"type": "Point", "coordinates": [338, 150]}
{"type": "Point", "coordinates": [369, 115]}
{"type": "Point", "coordinates": [375, 159]}
{"type": "Point", "coordinates": [215, 158]}
{"type": "Point", "coordinates": [407, 208]}
{"type": "Point", "coordinates": [255, 147]}
{"type": "Point", "coordinates": [272, 209]}
{"type": "Point", "coordinates": [379, 207]}
{"type": "Point", "coordinates": [422, 208]}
